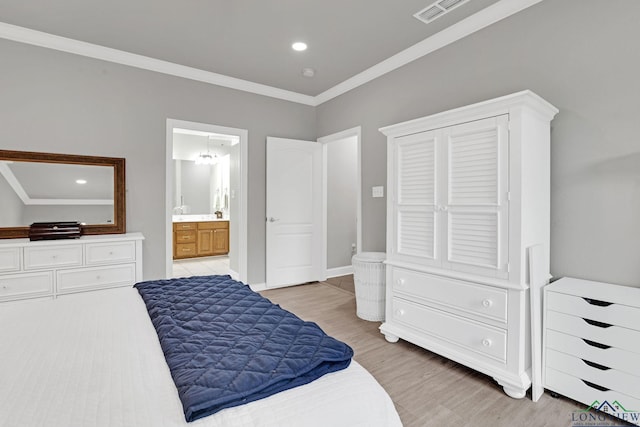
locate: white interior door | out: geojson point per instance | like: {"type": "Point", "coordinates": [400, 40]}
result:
{"type": "Point", "coordinates": [294, 211]}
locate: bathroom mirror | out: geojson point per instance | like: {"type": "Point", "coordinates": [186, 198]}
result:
{"type": "Point", "coordinates": [46, 187]}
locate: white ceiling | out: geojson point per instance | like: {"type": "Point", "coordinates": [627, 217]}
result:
{"type": "Point", "coordinates": [245, 39]}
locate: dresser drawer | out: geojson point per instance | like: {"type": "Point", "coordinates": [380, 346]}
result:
{"type": "Point", "coordinates": [602, 376]}
{"type": "Point", "coordinates": [212, 225]}
{"type": "Point", "coordinates": [569, 385]}
{"type": "Point", "coordinates": [481, 339]}
{"type": "Point", "coordinates": [52, 256]}
{"type": "Point", "coordinates": [602, 311]}
{"type": "Point", "coordinates": [9, 259]}
{"type": "Point", "coordinates": [615, 336]}
{"type": "Point", "coordinates": [102, 253]}
{"type": "Point", "coordinates": [592, 351]}
{"type": "Point", "coordinates": [185, 237]}
{"type": "Point", "coordinates": [75, 280]}
{"type": "Point", "coordinates": [185, 250]}
{"type": "Point", "coordinates": [181, 226]}
{"type": "Point", "coordinates": [29, 285]}
{"type": "Point", "coordinates": [470, 297]}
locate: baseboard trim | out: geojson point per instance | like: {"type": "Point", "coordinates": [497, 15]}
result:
{"type": "Point", "coordinates": [339, 271]}
{"type": "Point", "coordinates": [234, 274]}
{"type": "Point", "coordinates": [258, 287]}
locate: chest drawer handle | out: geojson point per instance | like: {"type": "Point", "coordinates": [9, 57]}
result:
{"type": "Point", "coordinates": [596, 365]}
{"type": "Point", "coordinates": [598, 324]}
{"type": "Point", "coordinates": [596, 386]}
{"type": "Point", "coordinates": [399, 312]}
{"type": "Point", "coordinates": [596, 344]}
{"type": "Point", "coordinates": [399, 282]}
{"type": "Point", "coordinates": [597, 302]}
{"type": "Point", "coordinates": [486, 303]}
{"type": "Point", "coordinates": [487, 342]}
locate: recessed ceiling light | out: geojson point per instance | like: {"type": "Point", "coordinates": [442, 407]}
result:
{"type": "Point", "coordinates": [299, 46]}
{"type": "Point", "coordinates": [308, 72]}
{"type": "Point", "coordinates": [81, 181]}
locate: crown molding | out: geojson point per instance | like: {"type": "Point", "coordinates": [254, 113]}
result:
{"type": "Point", "coordinates": [482, 19]}
{"type": "Point", "coordinates": [64, 44]}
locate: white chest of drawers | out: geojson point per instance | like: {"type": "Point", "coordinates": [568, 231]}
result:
{"type": "Point", "coordinates": [48, 269]}
{"type": "Point", "coordinates": [592, 343]}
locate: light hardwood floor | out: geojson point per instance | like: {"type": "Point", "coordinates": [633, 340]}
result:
{"type": "Point", "coordinates": [428, 390]}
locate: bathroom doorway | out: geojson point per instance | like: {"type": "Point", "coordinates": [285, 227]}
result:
{"type": "Point", "coordinates": [206, 181]}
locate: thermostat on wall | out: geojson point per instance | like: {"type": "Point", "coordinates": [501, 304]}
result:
{"type": "Point", "coordinates": [377, 191]}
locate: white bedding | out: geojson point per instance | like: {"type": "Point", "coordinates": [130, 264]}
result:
{"type": "Point", "coordinates": [94, 359]}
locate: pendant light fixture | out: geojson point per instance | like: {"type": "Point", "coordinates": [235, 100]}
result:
{"type": "Point", "coordinates": [207, 159]}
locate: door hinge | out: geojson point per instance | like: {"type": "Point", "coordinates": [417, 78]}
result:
{"type": "Point", "coordinates": [508, 267]}
{"type": "Point", "coordinates": [508, 196]}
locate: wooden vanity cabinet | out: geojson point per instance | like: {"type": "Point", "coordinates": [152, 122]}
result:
{"type": "Point", "coordinates": [195, 239]}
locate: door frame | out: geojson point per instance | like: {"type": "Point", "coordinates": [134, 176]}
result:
{"type": "Point", "coordinates": [240, 217]}
{"type": "Point", "coordinates": [347, 133]}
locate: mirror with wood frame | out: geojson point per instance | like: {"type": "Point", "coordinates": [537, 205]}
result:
{"type": "Point", "coordinates": [46, 187]}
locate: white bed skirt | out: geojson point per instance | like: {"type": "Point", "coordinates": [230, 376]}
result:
{"type": "Point", "coordinates": [94, 360]}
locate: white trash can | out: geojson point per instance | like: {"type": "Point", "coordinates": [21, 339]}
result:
{"type": "Point", "coordinates": [369, 279]}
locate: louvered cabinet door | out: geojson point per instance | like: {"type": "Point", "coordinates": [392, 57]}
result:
{"type": "Point", "coordinates": [415, 219]}
{"type": "Point", "coordinates": [477, 207]}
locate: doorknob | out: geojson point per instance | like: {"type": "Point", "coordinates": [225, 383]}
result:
{"type": "Point", "coordinates": [272, 219]}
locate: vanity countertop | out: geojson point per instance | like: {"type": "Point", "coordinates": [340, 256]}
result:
{"type": "Point", "coordinates": [197, 218]}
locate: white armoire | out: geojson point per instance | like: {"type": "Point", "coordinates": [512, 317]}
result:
{"type": "Point", "coordinates": [468, 193]}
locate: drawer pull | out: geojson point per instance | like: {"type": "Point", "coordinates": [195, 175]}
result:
{"type": "Point", "coordinates": [597, 302]}
{"type": "Point", "coordinates": [399, 282]}
{"type": "Point", "coordinates": [596, 344]}
{"type": "Point", "coordinates": [399, 312]}
{"type": "Point", "coordinates": [596, 365]}
{"type": "Point", "coordinates": [598, 324]}
{"type": "Point", "coordinates": [486, 303]}
{"type": "Point", "coordinates": [487, 342]}
{"type": "Point", "coordinates": [596, 386]}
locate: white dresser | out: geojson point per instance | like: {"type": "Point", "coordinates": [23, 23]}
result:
{"type": "Point", "coordinates": [51, 268]}
{"type": "Point", "coordinates": [468, 193]}
{"type": "Point", "coordinates": [592, 344]}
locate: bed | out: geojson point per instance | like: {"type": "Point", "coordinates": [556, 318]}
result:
{"type": "Point", "coordinates": [94, 359]}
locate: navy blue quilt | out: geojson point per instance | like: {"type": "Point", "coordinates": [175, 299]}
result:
{"type": "Point", "coordinates": [227, 345]}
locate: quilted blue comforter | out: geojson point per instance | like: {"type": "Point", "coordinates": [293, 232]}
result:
{"type": "Point", "coordinates": [227, 345]}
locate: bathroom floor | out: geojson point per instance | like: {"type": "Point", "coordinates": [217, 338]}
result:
{"type": "Point", "coordinates": [201, 266]}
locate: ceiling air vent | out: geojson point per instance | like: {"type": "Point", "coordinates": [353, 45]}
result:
{"type": "Point", "coordinates": [437, 9]}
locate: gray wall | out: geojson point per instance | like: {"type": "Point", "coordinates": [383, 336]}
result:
{"type": "Point", "coordinates": [342, 193]}
{"type": "Point", "coordinates": [57, 102]}
{"type": "Point", "coordinates": [582, 56]}
{"type": "Point", "coordinates": [11, 206]}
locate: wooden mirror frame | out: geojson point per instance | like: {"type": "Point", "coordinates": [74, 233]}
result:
{"type": "Point", "coordinates": [119, 208]}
